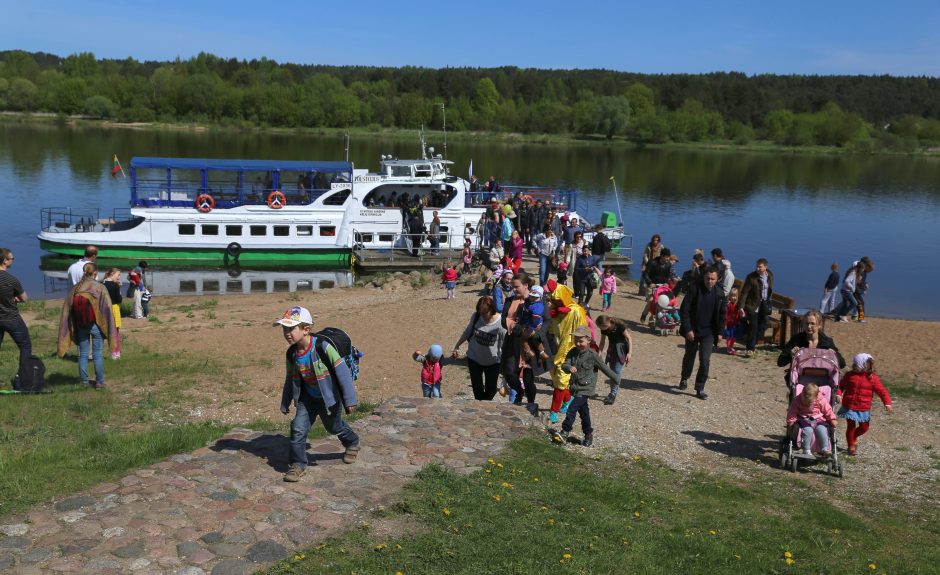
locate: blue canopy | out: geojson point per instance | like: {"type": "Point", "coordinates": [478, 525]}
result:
{"type": "Point", "coordinates": [240, 165]}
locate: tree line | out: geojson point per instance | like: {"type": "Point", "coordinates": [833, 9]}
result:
{"type": "Point", "coordinates": [861, 113]}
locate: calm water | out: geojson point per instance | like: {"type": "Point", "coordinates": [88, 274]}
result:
{"type": "Point", "coordinates": [800, 212]}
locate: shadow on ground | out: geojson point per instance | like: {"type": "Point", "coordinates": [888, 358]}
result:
{"type": "Point", "coordinates": [762, 450]}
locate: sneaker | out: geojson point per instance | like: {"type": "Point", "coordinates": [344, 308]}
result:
{"type": "Point", "coordinates": [352, 452]}
{"type": "Point", "coordinates": [588, 441]}
{"type": "Point", "coordinates": [564, 435]}
{"type": "Point", "coordinates": [862, 321]}
{"type": "Point", "coordinates": [553, 416]}
{"type": "Point", "coordinates": [684, 384]}
{"type": "Point", "coordinates": [610, 399]}
{"type": "Point", "coordinates": [701, 395]}
{"type": "Point", "coordinates": [853, 451]}
{"type": "Point", "coordinates": [565, 405]}
{"type": "Point", "coordinates": [556, 437]}
{"type": "Point", "coordinates": [294, 474]}
{"type": "Point", "coordinates": [99, 385]}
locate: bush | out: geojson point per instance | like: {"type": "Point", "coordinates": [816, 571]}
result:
{"type": "Point", "coordinates": [99, 107]}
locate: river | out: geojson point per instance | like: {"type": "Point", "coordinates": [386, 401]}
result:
{"type": "Point", "coordinates": [801, 212]}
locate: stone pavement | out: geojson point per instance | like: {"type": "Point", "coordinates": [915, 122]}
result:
{"type": "Point", "coordinates": [223, 509]}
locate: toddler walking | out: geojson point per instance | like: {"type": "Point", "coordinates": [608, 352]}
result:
{"type": "Point", "coordinates": [430, 370]}
{"type": "Point", "coordinates": [608, 288]}
{"type": "Point", "coordinates": [856, 391]}
{"type": "Point", "coordinates": [811, 414]}
{"type": "Point", "coordinates": [449, 279]}
{"type": "Point", "coordinates": [732, 321]}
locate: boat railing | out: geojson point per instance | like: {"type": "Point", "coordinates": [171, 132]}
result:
{"type": "Point", "coordinates": [372, 247]}
{"type": "Point", "coordinates": [72, 220]}
{"type": "Point", "coordinates": [153, 193]}
{"type": "Point", "coordinates": [565, 200]}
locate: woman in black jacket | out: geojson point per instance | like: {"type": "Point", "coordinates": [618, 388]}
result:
{"type": "Point", "coordinates": [811, 337]}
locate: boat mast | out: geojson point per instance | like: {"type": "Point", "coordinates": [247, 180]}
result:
{"type": "Point", "coordinates": [444, 116]}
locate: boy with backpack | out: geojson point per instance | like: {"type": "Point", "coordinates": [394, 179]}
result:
{"type": "Point", "coordinates": [320, 384]}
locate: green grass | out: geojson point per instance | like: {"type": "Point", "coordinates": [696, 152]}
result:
{"type": "Point", "coordinates": [537, 505]}
{"type": "Point", "coordinates": [905, 388]}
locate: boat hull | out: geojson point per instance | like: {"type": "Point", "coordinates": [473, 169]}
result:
{"type": "Point", "coordinates": [324, 257]}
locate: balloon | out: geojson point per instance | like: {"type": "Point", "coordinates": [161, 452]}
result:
{"type": "Point", "coordinates": [663, 300]}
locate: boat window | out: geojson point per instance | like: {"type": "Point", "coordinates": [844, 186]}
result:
{"type": "Point", "coordinates": [327, 231]}
{"type": "Point", "coordinates": [258, 230]}
{"type": "Point", "coordinates": [401, 171]}
{"type": "Point", "coordinates": [281, 286]}
{"type": "Point", "coordinates": [423, 171]}
{"type": "Point", "coordinates": [233, 286]}
{"type": "Point", "coordinates": [210, 285]}
{"type": "Point", "coordinates": [210, 230]}
{"type": "Point", "coordinates": [187, 286]}
{"type": "Point", "coordinates": [186, 229]}
{"type": "Point", "coordinates": [386, 238]}
{"type": "Point", "coordinates": [282, 231]}
{"type": "Point", "coordinates": [233, 230]}
{"type": "Point", "coordinates": [259, 286]}
{"type": "Point", "coordinates": [304, 285]}
{"type": "Point", "coordinates": [327, 284]}
{"type": "Point", "coordinates": [304, 230]}
{"type": "Point", "coordinates": [367, 238]}
{"type": "Point", "coordinates": [337, 199]}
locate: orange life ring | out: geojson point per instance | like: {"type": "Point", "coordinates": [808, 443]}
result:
{"type": "Point", "coordinates": [277, 200]}
{"type": "Point", "coordinates": [205, 203]}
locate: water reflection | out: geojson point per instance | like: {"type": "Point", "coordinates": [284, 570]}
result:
{"type": "Point", "coordinates": [219, 281]}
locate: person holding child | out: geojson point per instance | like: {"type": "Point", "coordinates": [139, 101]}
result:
{"type": "Point", "coordinates": [582, 363]}
{"type": "Point", "coordinates": [811, 414]}
{"type": "Point", "coordinates": [485, 334]}
{"type": "Point", "coordinates": [319, 384]}
{"type": "Point", "coordinates": [430, 370]}
{"type": "Point", "coordinates": [856, 392]}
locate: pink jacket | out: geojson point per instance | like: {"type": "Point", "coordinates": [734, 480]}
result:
{"type": "Point", "coordinates": [430, 372]}
{"type": "Point", "coordinates": [608, 284]}
{"type": "Point", "coordinates": [818, 410]}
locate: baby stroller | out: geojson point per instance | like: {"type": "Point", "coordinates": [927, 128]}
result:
{"type": "Point", "coordinates": [664, 313]}
{"type": "Point", "coordinates": [819, 366]}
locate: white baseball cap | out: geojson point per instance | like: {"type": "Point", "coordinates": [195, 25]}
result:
{"type": "Point", "coordinates": [295, 316]}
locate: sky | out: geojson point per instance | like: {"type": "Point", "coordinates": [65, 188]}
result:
{"type": "Point", "coordinates": [682, 36]}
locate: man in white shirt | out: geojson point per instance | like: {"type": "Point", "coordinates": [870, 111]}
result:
{"type": "Point", "coordinates": [76, 270]}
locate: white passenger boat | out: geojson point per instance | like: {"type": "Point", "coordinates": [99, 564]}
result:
{"type": "Point", "coordinates": [269, 213]}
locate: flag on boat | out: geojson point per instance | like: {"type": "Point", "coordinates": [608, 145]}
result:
{"type": "Point", "coordinates": [116, 167]}
{"type": "Point", "coordinates": [470, 171]}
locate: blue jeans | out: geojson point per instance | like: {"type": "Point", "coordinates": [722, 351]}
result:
{"type": "Point", "coordinates": [545, 268]}
{"type": "Point", "coordinates": [308, 408]}
{"type": "Point", "coordinates": [431, 390]}
{"type": "Point", "coordinates": [82, 335]}
{"type": "Point", "coordinates": [20, 335]}
{"type": "Point", "coordinates": [615, 384]}
{"type": "Point", "coordinates": [579, 406]}
{"type": "Point", "coordinates": [849, 303]}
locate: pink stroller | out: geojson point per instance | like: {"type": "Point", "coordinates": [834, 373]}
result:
{"type": "Point", "coordinates": [664, 319]}
{"type": "Point", "coordinates": [819, 366]}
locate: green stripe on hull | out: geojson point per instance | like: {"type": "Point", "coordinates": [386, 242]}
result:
{"type": "Point", "coordinates": [202, 256]}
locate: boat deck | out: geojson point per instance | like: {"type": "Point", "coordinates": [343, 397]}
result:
{"type": "Point", "coordinates": [368, 261]}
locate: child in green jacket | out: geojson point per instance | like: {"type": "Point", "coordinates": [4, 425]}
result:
{"type": "Point", "coordinates": [582, 363]}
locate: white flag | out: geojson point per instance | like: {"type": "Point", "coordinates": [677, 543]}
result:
{"type": "Point", "coordinates": [470, 171]}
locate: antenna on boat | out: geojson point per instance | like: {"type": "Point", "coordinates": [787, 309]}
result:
{"type": "Point", "coordinates": [346, 136]}
{"type": "Point", "coordinates": [424, 154]}
{"type": "Point", "coordinates": [444, 116]}
{"type": "Point", "coordinates": [617, 197]}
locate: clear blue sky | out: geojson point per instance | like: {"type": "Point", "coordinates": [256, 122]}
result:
{"type": "Point", "coordinates": [753, 36]}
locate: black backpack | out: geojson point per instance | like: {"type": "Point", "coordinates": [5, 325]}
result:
{"type": "Point", "coordinates": [32, 376]}
{"type": "Point", "coordinates": [340, 341]}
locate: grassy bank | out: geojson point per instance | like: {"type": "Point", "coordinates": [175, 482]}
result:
{"type": "Point", "coordinates": [436, 136]}
{"type": "Point", "coordinates": [540, 508]}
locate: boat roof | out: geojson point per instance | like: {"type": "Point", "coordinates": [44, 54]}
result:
{"type": "Point", "coordinates": [397, 162]}
{"type": "Point", "coordinates": [235, 165]}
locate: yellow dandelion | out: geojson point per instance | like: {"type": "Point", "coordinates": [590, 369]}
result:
{"type": "Point", "coordinates": [446, 511]}
{"type": "Point", "coordinates": [544, 508]}
{"type": "Point", "coordinates": [551, 520]}
{"type": "Point", "coordinates": [496, 498]}
{"type": "Point", "coordinates": [788, 555]}
{"type": "Point", "coordinates": [298, 557]}
{"type": "Point", "coordinates": [506, 485]}
{"type": "Point", "coordinates": [636, 513]}
{"type": "Point", "coordinates": [381, 546]}
{"type": "Point", "coordinates": [837, 531]}
{"type": "Point", "coordinates": [712, 532]}
{"type": "Point", "coordinates": [489, 471]}
{"type": "Point", "coordinates": [399, 573]}
{"type": "Point", "coordinates": [790, 561]}
{"type": "Point", "coordinates": [500, 465]}
{"type": "Point", "coordinates": [455, 529]}
{"type": "Point", "coordinates": [738, 557]}
{"type": "Point", "coordinates": [397, 546]}
{"type": "Point", "coordinates": [626, 541]}
{"type": "Point", "coordinates": [535, 479]}
{"type": "Point", "coordinates": [567, 555]}
{"type": "Point", "coordinates": [491, 462]}
{"type": "Point", "coordinates": [637, 458]}
{"type": "Point", "coordinates": [872, 566]}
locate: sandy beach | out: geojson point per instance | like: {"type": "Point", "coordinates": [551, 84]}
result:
{"type": "Point", "coordinates": [738, 426]}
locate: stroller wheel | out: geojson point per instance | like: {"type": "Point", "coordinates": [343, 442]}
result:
{"type": "Point", "coordinates": [839, 471]}
{"type": "Point", "coordinates": [794, 462]}
{"type": "Point", "coordinates": [783, 460]}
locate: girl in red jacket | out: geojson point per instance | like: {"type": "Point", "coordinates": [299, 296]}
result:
{"type": "Point", "coordinates": [449, 279]}
{"type": "Point", "coordinates": [856, 391]}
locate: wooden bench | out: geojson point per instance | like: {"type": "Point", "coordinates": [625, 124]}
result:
{"type": "Point", "coordinates": [775, 321]}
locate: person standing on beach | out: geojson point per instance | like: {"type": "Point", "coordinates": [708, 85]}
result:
{"type": "Point", "coordinates": [828, 302]}
{"type": "Point", "coordinates": [754, 303]}
{"type": "Point", "coordinates": [650, 253]}
{"type": "Point", "coordinates": [311, 387]}
{"type": "Point", "coordinates": [700, 314]}
{"type": "Point", "coordinates": [861, 288]}
{"type": "Point", "coordinates": [77, 270]}
{"type": "Point", "coordinates": [11, 294]}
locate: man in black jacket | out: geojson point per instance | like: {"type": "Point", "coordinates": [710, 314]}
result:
{"type": "Point", "coordinates": [600, 245]}
{"type": "Point", "coordinates": [700, 325]}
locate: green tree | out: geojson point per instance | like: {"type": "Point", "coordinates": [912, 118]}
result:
{"type": "Point", "coordinates": [778, 125]}
{"type": "Point", "coordinates": [486, 102]}
{"type": "Point", "coordinates": [22, 95]}
{"type": "Point", "coordinates": [82, 65]}
{"type": "Point", "coordinates": [641, 99]}
{"type": "Point", "coordinates": [650, 129]}
{"type": "Point", "coordinates": [99, 107]}
{"type": "Point", "coordinates": [67, 95]}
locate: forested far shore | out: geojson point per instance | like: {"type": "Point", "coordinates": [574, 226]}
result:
{"type": "Point", "coordinates": [856, 113]}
